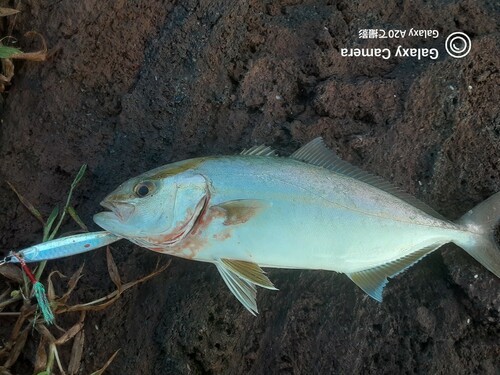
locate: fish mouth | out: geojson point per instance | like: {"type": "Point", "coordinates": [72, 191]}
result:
{"type": "Point", "coordinates": [121, 210]}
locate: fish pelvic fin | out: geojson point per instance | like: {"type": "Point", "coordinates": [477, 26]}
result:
{"type": "Point", "coordinates": [373, 280]}
{"type": "Point", "coordinates": [249, 271]}
{"type": "Point", "coordinates": [243, 290]}
{"type": "Point", "coordinates": [241, 278]}
{"type": "Point", "coordinates": [483, 220]}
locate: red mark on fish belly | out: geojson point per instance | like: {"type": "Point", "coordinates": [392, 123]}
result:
{"type": "Point", "coordinates": [197, 239]}
{"type": "Point", "coordinates": [189, 242]}
{"type": "Point", "coordinates": [174, 242]}
{"type": "Point", "coordinates": [87, 245]}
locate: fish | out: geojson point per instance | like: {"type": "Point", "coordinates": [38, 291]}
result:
{"type": "Point", "coordinates": [311, 210]}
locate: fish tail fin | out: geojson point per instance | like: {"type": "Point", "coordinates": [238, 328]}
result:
{"type": "Point", "coordinates": [483, 220]}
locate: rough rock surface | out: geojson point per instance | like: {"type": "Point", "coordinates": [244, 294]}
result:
{"type": "Point", "coordinates": [131, 85]}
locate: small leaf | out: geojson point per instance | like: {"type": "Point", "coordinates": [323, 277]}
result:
{"type": "Point", "coordinates": [101, 371]}
{"type": "Point", "coordinates": [7, 52]}
{"type": "Point", "coordinates": [113, 269]}
{"type": "Point", "coordinates": [26, 203]}
{"type": "Point", "coordinates": [41, 356]}
{"type": "Point", "coordinates": [7, 11]}
{"type": "Point", "coordinates": [8, 70]}
{"type": "Point", "coordinates": [51, 292]}
{"type": "Point", "coordinates": [70, 333]}
{"type": "Point", "coordinates": [76, 353]}
{"type": "Point", "coordinates": [76, 218]}
{"type": "Point", "coordinates": [12, 272]}
{"type": "Point", "coordinates": [50, 222]}
{"type": "Point", "coordinates": [73, 281]}
{"type": "Point", "coordinates": [43, 330]}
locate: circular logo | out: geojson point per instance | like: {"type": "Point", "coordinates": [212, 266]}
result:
{"type": "Point", "coordinates": [458, 44]}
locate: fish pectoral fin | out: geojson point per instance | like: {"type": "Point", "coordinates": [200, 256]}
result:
{"type": "Point", "coordinates": [373, 280]}
{"type": "Point", "coordinates": [239, 211]}
{"type": "Point", "coordinates": [250, 272]}
{"type": "Point", "coordinates": [243, 290]}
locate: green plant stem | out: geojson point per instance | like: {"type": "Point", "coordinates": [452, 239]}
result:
{"type": "Point", "coordinates": [51, 236]}
{"type": "Point", "coordinates": [39, 269]}
{"type": "Point", "coordinates": [63, 214]}
{"type": "Point", "coordinates": [61, 218]}
{"type": "Point", "coordinates": [26, 286]}
{"type": "Point", "coordinates": [50, 361]}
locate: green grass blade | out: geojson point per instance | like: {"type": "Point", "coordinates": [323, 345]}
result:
{"type": "Point", "coordinates": [26, 203]}
{"type": "Point", "coordinates": [39, 269]}
{"type": "Point", "coordinates": [6, 52]}
{"type": "Point", "coordinates": [50, 221]}
{"type": "Point", "coordinates": [75, 182]}
{"type": "Point", "coordinates": [76, 218]}
{"type": "Point", "coordinates": [79, 176]}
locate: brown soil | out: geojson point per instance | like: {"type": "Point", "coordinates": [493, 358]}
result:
{"type": "Point", "coordinates": [131, 85]}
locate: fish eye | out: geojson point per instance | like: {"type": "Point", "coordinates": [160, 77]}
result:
{"type": "Point", "coordinates": [144, 188]}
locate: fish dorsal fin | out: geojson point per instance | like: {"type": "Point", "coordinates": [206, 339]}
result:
{"type": "Point", "coordinates": [373, 280]}
{"type": "Point", "coordinates": [317, 153]}
{"type": "Point", "coordinates": [249, 271]}
{"type": "Point", "coordinates": [261, 150]}
{"type": "Point", "coordinates": [243, 290]}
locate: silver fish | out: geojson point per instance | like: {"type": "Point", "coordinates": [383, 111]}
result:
{"type": "Point", "coordinates": [309, 211]}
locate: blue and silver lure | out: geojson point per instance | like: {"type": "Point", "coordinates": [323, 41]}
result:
{"type": "Point", "coordinates": [63, 247]}
{"type": "Point", "coordinates": [59, 248]}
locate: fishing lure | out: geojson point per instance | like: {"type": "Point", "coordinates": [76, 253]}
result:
{"type": "Point", "coordinates": [59, 248]}
{"type": "Point", "coordinates": [62, 247]}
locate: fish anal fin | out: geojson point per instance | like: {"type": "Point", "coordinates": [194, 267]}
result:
{"type": "Point", "coordinates": [241, 210]}
{"type": "Point", "coordinates": [261, 150]}
{"type": "Point", "coordinates": [243, 290]}
{"type": "Point", "coordinates": [317, 153]}
{"type": "Point", "coordinates": [250, 272]}
{"type": "Point", "coordinates": [373, 280]}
